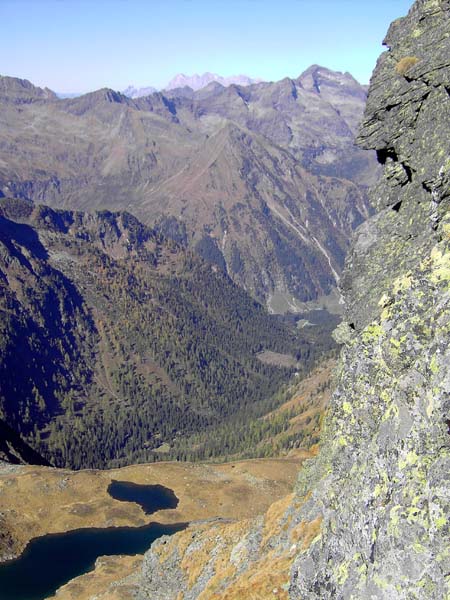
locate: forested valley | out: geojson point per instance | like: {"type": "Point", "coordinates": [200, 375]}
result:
{"type": "Point", "coordinates": [119, 346]}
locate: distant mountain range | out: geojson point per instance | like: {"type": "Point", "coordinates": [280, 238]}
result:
{"type": "Point", "coordinates": [133, 92]}
{"type": "Point", "coordinates": [262, 180]}
{"type": "Point", "coordinates": [195, 82]}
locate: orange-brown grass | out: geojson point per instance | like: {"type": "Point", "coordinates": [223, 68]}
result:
{"type": "Point", "coordinates": [405, 64]}
{"type": "Point", "coordinates": [102, 583]}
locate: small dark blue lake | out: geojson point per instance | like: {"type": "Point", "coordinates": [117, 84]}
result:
{"type": "Point", "coordinates": [150, 497]}
{"type": "Point", "coordinates": [52, 560]}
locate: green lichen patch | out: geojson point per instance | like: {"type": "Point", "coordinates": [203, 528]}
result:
{"type": "Point", "coordinates": [440, 265]}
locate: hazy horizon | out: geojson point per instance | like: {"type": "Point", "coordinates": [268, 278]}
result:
{"type": "Point", "coordinates": [76, 46]}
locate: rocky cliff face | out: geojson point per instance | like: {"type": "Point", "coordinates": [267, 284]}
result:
{"type": "Point", "coordinates": [383, 495]}
{"type": "Point", "coordinates": [369, 518]}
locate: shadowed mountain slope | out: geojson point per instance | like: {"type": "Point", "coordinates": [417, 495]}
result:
{"type": "Point", "coordinates": [14, 450]}
{"type": "Point", "coordinates": [115, 341]}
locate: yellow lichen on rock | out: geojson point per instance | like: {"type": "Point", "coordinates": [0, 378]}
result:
{"type": "Point", "coordinates": [440, 264]}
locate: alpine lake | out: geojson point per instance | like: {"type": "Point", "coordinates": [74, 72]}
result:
{"type": "Point", "coordinates": [50, 561]}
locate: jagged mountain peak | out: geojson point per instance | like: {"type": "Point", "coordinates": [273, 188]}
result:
{"type": "Point", "coordinates": [318, 71]}
{"type": "Point", "coordinates": [23, 91]}
{"type": "Point", "coordinates": [212, 85]}
{"type": "Point", "coordinates": [103, 95]}
{"type": "Point", "coordinates": [97, 100]}
{"type": "Point", "coordinates": [316, 77]}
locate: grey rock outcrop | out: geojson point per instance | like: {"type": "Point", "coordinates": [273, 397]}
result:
{"type": "Point", "coordinates": [383, 471]}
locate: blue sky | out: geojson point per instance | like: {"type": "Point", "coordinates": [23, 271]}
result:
{"type": "Point", "coordinates": [81, 45]}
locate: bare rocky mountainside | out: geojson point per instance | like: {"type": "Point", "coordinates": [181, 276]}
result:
{"type": "Point", "coordinates": [262, 180]}
{"type": "Point", "coordinates": [369, 517]}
